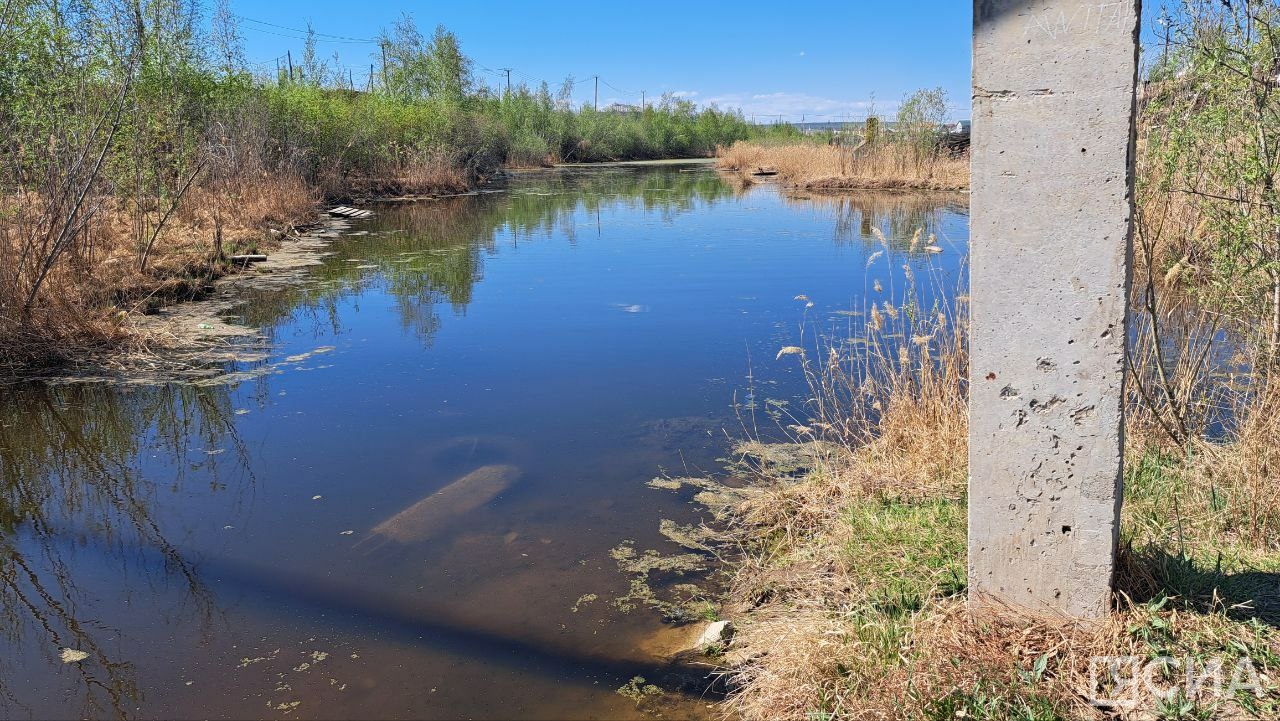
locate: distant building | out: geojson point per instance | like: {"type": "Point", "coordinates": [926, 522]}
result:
{"type": "Point", "coordinates": [621, 108]}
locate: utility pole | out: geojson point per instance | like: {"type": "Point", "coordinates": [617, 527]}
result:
{"type": "Point", "coordinates": [369, 82]}
{"type": "Point", "coordinates": [351, 79]}
{"type": "Point", "coordinates": [1165, 22]}
{"type": "Point", "coordinates": [1047, 374]}
{"type": "Point", "coordinates": [596, 104]}
{"type": "Point", "coordinates": [642, 101]}
{"type": "Point", "coordinates": [289, 54]}
{"type": "Point", "coordinates": [385, 88]}
{"type": "Point", "coordinates": [508, 72]}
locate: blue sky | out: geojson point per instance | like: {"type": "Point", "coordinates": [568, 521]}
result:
{"type": "Point", "coordinates": [807, 61]}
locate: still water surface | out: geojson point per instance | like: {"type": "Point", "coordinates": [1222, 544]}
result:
{"type": "Point", "coordinates": [212, 548]}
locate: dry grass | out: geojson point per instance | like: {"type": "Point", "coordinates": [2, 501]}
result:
{"type": "Point", "coordinates": [850, 603]}
{"type": "Point", "coordinates": [849, 594]}
{"type": "Point", "coordinates": [94, 253]}
{"type": "Point", "coordinates": [820, 167]}
{"type": "Point", "coordinates": [1215, 503]}
{"type": "Point", "coordinates": [98, 279]}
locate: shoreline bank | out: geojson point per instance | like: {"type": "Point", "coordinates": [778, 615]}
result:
{"type": "Point", "coordinates": [176, 329]}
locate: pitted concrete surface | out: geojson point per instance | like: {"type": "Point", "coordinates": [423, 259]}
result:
{"type": "Point", "coordinates": [1051, 222]}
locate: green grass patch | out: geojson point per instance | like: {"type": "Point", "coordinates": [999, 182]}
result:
{"type": "Point", "coordinates": [907, 553]}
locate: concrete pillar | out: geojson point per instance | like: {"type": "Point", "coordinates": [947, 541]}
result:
{"type": "Point", "coordinates": [1053, 129]}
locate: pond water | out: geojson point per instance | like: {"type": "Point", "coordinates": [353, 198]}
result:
{"type": "Point", "coordinates": [234, 550]}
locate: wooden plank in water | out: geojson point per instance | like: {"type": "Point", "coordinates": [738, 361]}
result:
{"type": "Point", "coordinates": [348, 212]}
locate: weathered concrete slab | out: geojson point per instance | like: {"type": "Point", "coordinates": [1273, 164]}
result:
{"type": "Point", "coordinates": [430, 515]}
{"type": "Point", "coordinates": [1051, 216]}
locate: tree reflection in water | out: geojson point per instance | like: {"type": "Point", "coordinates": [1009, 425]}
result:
{"type": "Point", "coordinates": [71, 479]}
{"type": "Point", "coordinates": [431, 254]}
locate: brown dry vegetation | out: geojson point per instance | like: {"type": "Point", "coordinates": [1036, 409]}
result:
{"type": "Point", "coordinates": [888, 165]}
{"type": "Point", "coordinates": [849, 596]}
{"type": "Point", "coordinates": [98, 278]}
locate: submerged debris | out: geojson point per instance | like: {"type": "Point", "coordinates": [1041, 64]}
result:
{"type": "Point", "coordinates": [71, 655]}
{"type": "Point", "coordinates": [429, 515]}
{"type": "Point", "coordinates": [716, 633]}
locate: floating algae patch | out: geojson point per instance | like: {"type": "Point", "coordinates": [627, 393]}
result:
{"type": "Point", "coordinates": [426, 517]}
{"type": "Point", "coordinates": [711, 494]}
{"type": "Point", "coordinates": [670, 484]}
{"type": "Point", "coordinates": [676, 483]}
{"type": "Point", "coordinates": [694, 538]}
{"type": "Point", "coordinates": [237, 377]}
{"type": "Point", "coordinates": [303, 356]}
{"type": "Point", "coordinates": [263, 370]}
{"type": "Point", "coordinates": [683, 602]}
{"type": "Point", "coordinates": [785, 460]}
{"type": "Point", "coordinates": [650, 561]}
{"type": "Point", "coordinates": [583, 600]}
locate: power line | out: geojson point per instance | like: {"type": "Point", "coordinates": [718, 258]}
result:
{"type": "Point", "coordinates": [620, 90]}
{"type": "Point", "coordinates": [304, 38]}
{"type": "Point", "coordinates": [321, 37]}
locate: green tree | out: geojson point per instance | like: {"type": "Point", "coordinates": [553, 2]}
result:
{"type": "Point", "coordinates": [450, 72]}
{"type": "Point", "coordinates": [418, 68]}
{"type": "Point", "coordinates": [920, 119]}
{"type": "Point", "coordinates": [1216, 141]}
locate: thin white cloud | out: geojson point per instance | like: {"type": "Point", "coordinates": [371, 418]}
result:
{"type": "Point", "coordinates": [801, 53]}
{"type": "Point", "coordinates": [794, 106]}
{"type": "Point", "coordinates": [687, 94]}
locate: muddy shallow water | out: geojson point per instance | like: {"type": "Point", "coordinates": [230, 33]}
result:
{"type": "Point", "coordinates": [407, 509]}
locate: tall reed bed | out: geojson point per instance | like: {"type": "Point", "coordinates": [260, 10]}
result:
{"type": "Point", "coordinates": [886, 165]}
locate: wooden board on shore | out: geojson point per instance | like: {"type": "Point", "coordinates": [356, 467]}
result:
{"type": "Point", "coordinates": [343, 211]}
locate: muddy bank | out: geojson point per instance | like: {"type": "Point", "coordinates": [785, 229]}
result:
{"type": "Point", "coordinates": [193, 340]}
